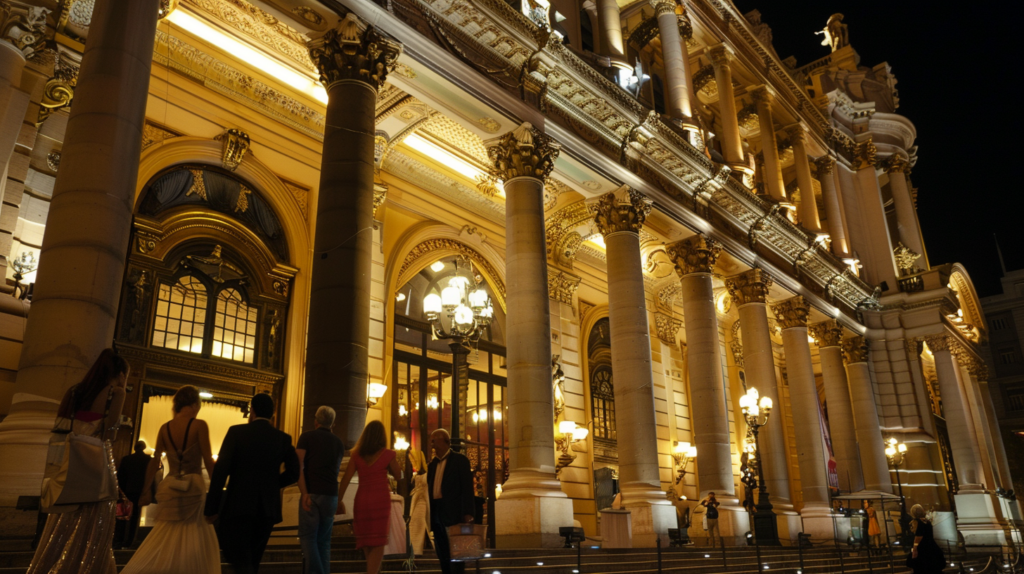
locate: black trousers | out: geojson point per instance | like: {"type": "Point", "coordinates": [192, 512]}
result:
{"type": "Point", "coordinates": [441, 547]}
{"type": "Point", "coordinates": [243, 541]}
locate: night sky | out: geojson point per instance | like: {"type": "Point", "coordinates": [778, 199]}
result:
{"type": "Point", "coordinates": [957, 67]}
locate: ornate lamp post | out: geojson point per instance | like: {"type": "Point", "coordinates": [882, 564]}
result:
{"type": "Point", "coordinates": [895, 451]}
{"type": "Point", "coordinates": [467, 311]}
{"type": "Point", "coordinates": [756, 412]}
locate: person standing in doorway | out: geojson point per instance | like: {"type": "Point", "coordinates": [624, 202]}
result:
{"type": "Point", "coordinates": [131, 476]}
{"type": "Point", "coordinates": [320, 452]}
{"type": "Point", "coordinates": [450, 481]}
{"type": "Point", "coordinates": [712, 514]}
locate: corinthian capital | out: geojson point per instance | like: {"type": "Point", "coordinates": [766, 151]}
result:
{"type": "Point", "coordinates": [663, 7]}
{"type": "Point", "coordinates": [855, 350]}
{"type": "Point", "coordinates": [895, 164]}
{"type": "Point", "coordinates": [827, 333]}
{"type": "Point", "coordinates": [796, 133]}
{"type": "Point", "coordinates": [825, 165]}
{"type": "Point", "coordinates": [523, 152]}
{"type": "Point", "coordinates": [792, 312]}
{"type": "Point", "coordinates": [940, 343]}
{"type": "Point", "coordinates": [696, 254]}
{"type": "Point", "coordinates": [353, 51]}
{"type": "Point", "coordinates": [761, 94]}
{"type": "Point", "coordinates": [720, 55]}
{"type": "Point", "coordinates": [23, 25]}
{"type": "Point", "coordinates": [749, 287]}
{"type": "Point", "coordinates": [622, 210]}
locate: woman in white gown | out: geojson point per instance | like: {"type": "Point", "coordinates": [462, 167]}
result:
{"type": "Point", "coordinates": [419, 515]}
{"type": "Point", "coordinates": [181, 541]}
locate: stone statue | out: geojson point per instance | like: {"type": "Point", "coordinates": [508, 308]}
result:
{"type": "Point", "coordinates": [836, 33]}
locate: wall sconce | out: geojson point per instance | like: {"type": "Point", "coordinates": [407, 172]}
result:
{"type": "Point", "coordinates": [374, 393]}
{"type": "Point", "coordinates": [570, 434]}
{"type": "Point", "coordinates": [683, 453]}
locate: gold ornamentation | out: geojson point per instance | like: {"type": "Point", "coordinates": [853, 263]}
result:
{"type": "Point", "coordinates": [430, 248]}
{"type": "Point", "coordinates": [585, 308]}
{"type": "Point", "coordinates": [281, 287]}
{"type": "Point", "coordinates": [235, 146]}
{"type": "Point", "coordinates": [792, 312]}
{"type": "Point", "coordinates": [380, 193]}
{"type": "Point", "coordinates": [24, 26]}
{"type": "Point", "coordinates": [720, 55]}
{"type": "Point", "coordinates": [309, 15]}
{"type": "Point", "coordinates": [350, 53]}
{"type": "Point", "coordinates": [145, 243]}
{"type": "Point", "coordinates": [667, 327]}
{"type": "Point", "coordinates": [153, 134]}
{"type": "Point", "coordinates": [562, 286]}
{"type": "Point", "coordinates": [624, 209]}
{"type": "Point", "coordinates": [53, 160]}
{"type": "Point", "coordinates": [905, 258]}
{"type": "Point", "coordinates": [855, 350]}
{"type": "Point", "coordinates": [523, 152]}
{"type": "Point", "coordinates": [487, 185]}
{"type": "Point", "coordinates": [748, 119]}
{"type": "Point", "coordinates": [258, 26]}
{"type": "Point", "coordinates": [864, 155]}
{"type": "Point", "coordinates": [58, 90]}
{"type": "Point", "coordinates": [749, 287]}
{"type": "Point", "coordinates": [696, 254]}
{"type": "Point", "coordinates": [761, 95]}
{"type": "Point", "coordinates": [895, 164]}
{"type": "Point", "coordinates": [489, 125]}
{"type": "Point", "coordinates": [827, 333]}
{"type": "Point", "coordinates": [242, 204]}
{"type": "Point", "coordinates": [940, 343]}
{"type": "Point", "coordinates": [380, 149]}
{"type": "Point", "coordinates": [825, 164]}
{"type": "Point", "coordinates": [198, 184]}
{"type": "Point", "coordinates": [165, 9]}
{"type": "Point", "coordinates": [299, 193]}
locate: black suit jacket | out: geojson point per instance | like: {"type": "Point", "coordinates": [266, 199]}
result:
{"type": "Point", "coordinates": [252, 455]}
{"type": "Point", "coordinates": [131, 474]}
{"type": "Point", "coordinates": [456, 489]}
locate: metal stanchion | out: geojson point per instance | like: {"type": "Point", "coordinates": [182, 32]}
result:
{"type": "Point", "coordinates": [659, 554]}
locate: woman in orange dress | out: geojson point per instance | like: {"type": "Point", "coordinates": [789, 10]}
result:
{"type": "Point", "coordinates": [372, 460]}
{"type": "Point", "coordinates": [874, 532]}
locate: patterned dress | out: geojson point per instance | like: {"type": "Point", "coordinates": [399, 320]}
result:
{"type": "Point", "coordinates": [373, 500]}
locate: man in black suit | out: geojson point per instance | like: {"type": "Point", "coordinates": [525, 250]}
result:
{"type": "Point", "coordinates": [131, 477]}
{"type": "Point", "coordinates": [252, 456]}
{"type": "Point", "coordinates": [451, 496]}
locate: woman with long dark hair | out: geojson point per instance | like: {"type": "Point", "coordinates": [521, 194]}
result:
{"type": "Point", "coordinates": [372, 460]}
{"type": "Point", "coordinates": [80, 541]}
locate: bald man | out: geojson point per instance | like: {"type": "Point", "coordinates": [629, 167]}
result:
{"type": "Point", "coordinates": [450, 483]}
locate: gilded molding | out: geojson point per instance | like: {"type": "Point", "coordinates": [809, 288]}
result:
{"type": "Point", "coordinates": [253, 23]}
{"type": "Point", "coordinates": [624, 209]}
{"type": "Point", "coordinates": [792, 312]}
{"type": "Point", "coordinates": [380, 193]}
{"type": "Point", "coordinates": [523, 152]}
{"type": "Point", "coordinates": [562, 286]}
{"type": "Point", "coordinates": [235, 146]}
{"type": "Point", "coordinates": [855, 350]}
{"type": "Point", "coordinates": [59, 91]}
{"type": "Point", "coordinates": [696, 254]}
{"type": "Point", "coordinates": [905, 258]}
{"type": "Point", "coordinates": [749, 287]}
{"type": "Point", "coordinates": [827, 333]}
{"type": "Point", "coordinates": [667, 327]}
{"type": "Point", "coordinates": [865, 155]}
{"type": "Point", "coordinates": [354, 52]}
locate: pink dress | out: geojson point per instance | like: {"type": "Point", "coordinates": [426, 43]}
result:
{"type": "Point", "coordinates": [373, 501]}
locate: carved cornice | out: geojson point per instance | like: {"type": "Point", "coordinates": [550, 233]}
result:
{"type": "Point", "coordinates": [696, 254]}
{"type": "Point", "coordinates": [792, 312]}
{"type": "Point", "coordinates": [624, 209]}
{"type": "Point", "coordinates": [256, 25]}
{"type": "Point", "coordinates": [523, 152]}
{"type": "Point", "coordinates": [562, 286]}
{"type": "Point", "coordinates": [667, 327]}
{"type": "Point", "coordinates": [827, 333]}
{"type": "Point", "coordinates": [749, 287]}
{"type": "Point", "coordinates": [354, 52]}
{"type": "Point", "coordinates": [855, 350]}
{"type": "Point", "coordinates": [895, 164]}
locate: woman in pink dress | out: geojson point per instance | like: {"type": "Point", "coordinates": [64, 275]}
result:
{"type": "Point", "coordinates": [372, 460]}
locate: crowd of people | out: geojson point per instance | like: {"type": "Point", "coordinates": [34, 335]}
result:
{"type": "Point", "coordinates": [236, 514]}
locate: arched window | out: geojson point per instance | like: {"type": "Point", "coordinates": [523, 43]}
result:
{"type": "Point", "coordinates": [602, 394]}
{"type": "Point", "coordinates": [234, 328]}
{"type": "Point", "coordinates": [181, 316]}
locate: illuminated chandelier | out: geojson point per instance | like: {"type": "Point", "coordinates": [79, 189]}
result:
{"type": "Point", "coordinates": [465, 307]}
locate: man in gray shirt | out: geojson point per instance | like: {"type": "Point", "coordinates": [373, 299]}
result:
{"type": "Point", "coordinates": [320, 452]}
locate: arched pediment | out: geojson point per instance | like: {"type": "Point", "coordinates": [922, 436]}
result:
{"type": "Point", "coordinates": [966, 295]}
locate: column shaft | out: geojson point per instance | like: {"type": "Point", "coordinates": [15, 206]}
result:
{"type": "Point", "coordinates": [808, 208]}
{"type": "Point", "coordinates": [772, 175]}
{"type": "Point", "coordinates": [962, 438]}
{"type": "Point", "coordinates": [869, 434]}
{"type": "Point", "coordinates": [803, 396]}
{"type": "Point", "coordinates": [678, 80]}
{"type": "Point", "coordinates": [609, 19]}
{"type": "Point", "coordinates": [840, 410]}
{"type": "Point", "coordinates": [833, 208]}
{"type": "Point", "coordinates": [732, 145]}
{"type": "Point", "coordinates": [1002, 464]}
{"type": "Point", "coordinates": [906, 213]}
{"type": "Point", "coordinates": [981, 429]}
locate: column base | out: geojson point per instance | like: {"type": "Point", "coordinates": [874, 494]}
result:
{"type": "Point", "coordinates": [817, 521]}
{"type": "Point", "coordinates": [651, 521]}
{"type": "Point", "coordinates": [24, 438]}
{"type": "Point", "coordinates": [979, 519]}
{"type": "Point", "coordinates": [531, 521]}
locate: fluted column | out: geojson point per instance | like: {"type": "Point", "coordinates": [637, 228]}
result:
{"type": "Point", "coordinates": [962, 437]}
{"type": "Point", "coordinates": [772, 175]}
{"type": "Point", "coordinates": [354, 60]}
{"type": "Point", "coordinates": [694, 259]}
{"type": "Point", "coordinates": [620, 215]}
{"type": "Point", "coordinates": [791, 315]}
{"type": "Point", "coordinates": [833, 209]}
{"type": "Point", "coordinates": [865, 416]}
{"type": "Point", "coordinates": [532, 505]}
{"type": "Point", "coordinates": [906, 213]}
{"type": "Point", "coordinates": [749, 291]}
{"type": "Point", "coordinates": [732, 146]}
{"type": "Point", "coordinates": [678, 82]}
{"type": "Point", "coordinates": [829, 336]}
{"type": "Point", "coordinates": [78, 284]}
{"type": "Point", "coordinates": [808, 208]}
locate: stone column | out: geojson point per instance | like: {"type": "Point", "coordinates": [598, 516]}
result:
{"type": "Point", "coordinates": [865, 416]}
{"type": "Point", "coordinates": [749, 291]}
{"type": "Point", "coordinates": [791, 315]}
{"type": "Point", "coordinates": [1002, 463]}
{"type": "Point", "coordinates": [772, 176]}
{"type": "Point", "coordinates": [13, 105]}
{"type": "Point", "coordinates": [78, 284]}
{"type": "Point", "coordinates": [354, 60]}
{"type": "Point", "coordinates": [906, 213]}
{"type": "Point", "coordinates": [833, 207]}
{"type": "Point", "coordinates": [962, 437]}
{"type": "Point", "coordinates": [620, 215]}
{"type": "Point", "coordinates": [610, 21]}
{"type": "Point", "coordinates": [532, 505]}
{"type": "Point", "coordinates": [808, 208]}
{"type": "Point", "coordinates": [732, 145]}
{"type": "Point", "coordinates": [987, 449]}
{"type": "Point", "coordinates": [678, 81]}
{"type": "Point", "coordinates": [694, 259]}
{"type": "Point", "coordinates": [829, 336]}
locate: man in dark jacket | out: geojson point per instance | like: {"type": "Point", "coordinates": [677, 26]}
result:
{"type": "Point", "coordinates": [450, 483]}
{"type": "Point", "coordinates": [131, 477]}
{"type": "Point", "coordinates": [251, 456]}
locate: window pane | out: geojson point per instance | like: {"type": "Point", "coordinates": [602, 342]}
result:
{"type": "Point", "coordinates": [235, 327]}
{"type": "Point", "coordinates": [180, 316]}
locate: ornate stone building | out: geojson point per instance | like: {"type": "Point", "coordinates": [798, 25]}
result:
{"type": "Point", "coordinates": [271, 196]}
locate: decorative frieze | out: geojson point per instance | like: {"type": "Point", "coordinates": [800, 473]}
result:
{"type": "Point", "coordinates": [353, 52]}
{"type": "Point", "coordinates": [696, 254]}
{"type": "Point", "coordinates": [792, 312]}
{"type": "Point", "coordinates": [667, 327]}
{"type": "Point", "coordinates": [855, 350]}
{"type": "Point", "coordinates": [562, 286]}
{"type": "Point", "coordinates": [749, 287]}
{"type": "Point", "coordinates": [624, 209]}
{"type": "Point", "coordinates": [523, 152]}
{"type": "Point", "coordinates": [827, 333]}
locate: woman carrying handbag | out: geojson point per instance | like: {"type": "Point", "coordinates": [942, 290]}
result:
{"type": "Point", "coordinates": [78, 537]}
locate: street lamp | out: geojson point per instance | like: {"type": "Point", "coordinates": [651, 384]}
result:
{"type": "Point", "coordinates": [895, 452]}
{"type": "Point", "coordinates": [756, 412]}
{"type": "Point", "coordinates": [682, 455]}
{"type": "Point", "coordinates": [467, 311]}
